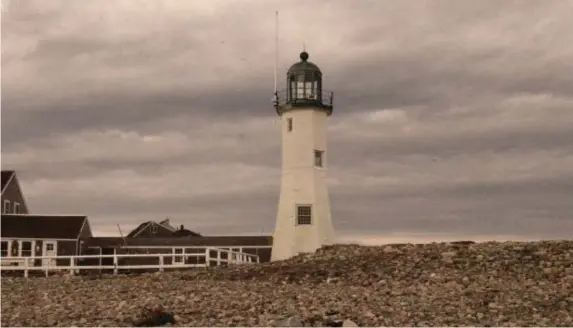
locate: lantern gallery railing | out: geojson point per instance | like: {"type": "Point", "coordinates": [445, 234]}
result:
{"type": "Point", "coordinates": [302, 96]}
{"type": "Point", "coordinates": [126, 262]}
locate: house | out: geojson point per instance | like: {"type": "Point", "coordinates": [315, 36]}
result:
{"type": "Point", "coordinates": [161, 238]}
{"type": "Point", "coordinates": [182, 232]}
{"type": "Point", "coordinates": [35, 235]}
{"type": "Point", "coordinates": [26, 235]}
{"type": "Point", "coordinates": [152, 229]}
{"type": "Point", "coordinates": [13, 200]}
{"type": "Point", "coordinates": [163, 229]}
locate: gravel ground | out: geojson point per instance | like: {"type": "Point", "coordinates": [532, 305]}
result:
{"type": "Point", "coordinates": [440, 284]}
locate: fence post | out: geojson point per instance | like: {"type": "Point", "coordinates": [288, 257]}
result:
{"type": "Point", "coordinates": [72, 265]}
{"type": "Point", "coordinates": [218, 256]}
{"type": "Point", "coordinates": [115, 263]}
{"type": "Point", "coordinates": [207, 256]}
{"type": "Point", "coordinates": [160, 262]}
{"type": "Point", "coordinates": [26, 268]}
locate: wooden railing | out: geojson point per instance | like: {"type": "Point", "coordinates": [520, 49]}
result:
{"type": "Point", "coordinates": [120, 261]}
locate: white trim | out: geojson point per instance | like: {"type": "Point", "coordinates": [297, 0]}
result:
{"type": "Point", "coordinates": [168, 226]}
{"type": "Point", "coordinates": [50, 215]}
{"type": "Point", "coordinates": [49, 261]}
{"type": "Point", "coordinates": [8, 182]}
{"type": "Point", "coordinates": [140, 230]}
{"type": "Point", "coordinates": [5, 209]}
{"type": "Point", "coordinates": [43, 239]}
{"type": "Point", "coordinates": [181, 256]}
{"type": "Point", "coordinates": [7, 247]}
{"type": "Point", "coordinates": [13, 177]}
{"type": "Point", "coordinates": [82, 228]}
{"type": "Point", "coordinates": [296, 216]}
{"type": "Point", "coordinates": [184, 246]}
{"type": "Point", "coordinates": [32, 247]}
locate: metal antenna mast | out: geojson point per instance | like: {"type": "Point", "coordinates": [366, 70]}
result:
{"type": "Point", "coordinates": [276, 95]}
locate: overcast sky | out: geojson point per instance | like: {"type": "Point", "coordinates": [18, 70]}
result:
{"type": "Point", "coordinates": [452, 119]}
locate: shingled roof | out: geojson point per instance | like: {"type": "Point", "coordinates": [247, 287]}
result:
{"type": "Point", "coordinates": [42, 226]}
{"type": "Point", "coordinates": [6, 176]}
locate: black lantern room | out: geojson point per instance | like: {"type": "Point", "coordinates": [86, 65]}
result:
{"type": "Point", "coordinates": [304, 88]}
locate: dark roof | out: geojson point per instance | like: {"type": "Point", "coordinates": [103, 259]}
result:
{"type": "Point", "coordinates": [6, 175]}
{"type": "Point", "coordinates": [185, 233]}
{"type": "Point", "coordinates": [165, 223]}
{"type": "Point", "coordinates": [42, 226]}
{"type": "Point", "coordinates": [303, 66]}
{"type": "Point", "coordinates": [182, 241]}
{"type": "Point", "coordinates": [138, 229]}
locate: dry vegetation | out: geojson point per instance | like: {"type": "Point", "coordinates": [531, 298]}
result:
{"type": "Point", "coordinates": [441, 284]}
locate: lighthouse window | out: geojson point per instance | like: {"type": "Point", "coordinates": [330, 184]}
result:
{"type": "Point", "coordinates": [289, 124]}
{"type": "Point", "coordinates": [303, 214]}
{"type": "Point", "coordinates": [318, 157]}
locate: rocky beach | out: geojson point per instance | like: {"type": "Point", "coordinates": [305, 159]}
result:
{"type": "Point", "coordinates": [438, 284]}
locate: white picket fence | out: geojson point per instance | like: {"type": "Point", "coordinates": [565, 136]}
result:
{"type": "Point", "coordinates": [178, 261]}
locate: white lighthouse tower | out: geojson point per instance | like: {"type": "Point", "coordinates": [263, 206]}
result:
{"type": "Point", "coordinates": [303, 221]}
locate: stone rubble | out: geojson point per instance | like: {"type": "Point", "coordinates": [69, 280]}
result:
{"type": "Point", "coordinates": [439, 284]}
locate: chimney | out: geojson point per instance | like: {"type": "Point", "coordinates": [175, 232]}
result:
{"type": "Point", "coordinates": [181, 227]}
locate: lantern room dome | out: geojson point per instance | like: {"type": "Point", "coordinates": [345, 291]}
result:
{"type": "Point", "coordinates": [303, 89]}
{"type": "Point", "coordinates": [303, 65]}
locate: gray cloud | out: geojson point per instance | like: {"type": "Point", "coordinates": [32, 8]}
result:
{"type": "Point", "coordinates": [450, 118]}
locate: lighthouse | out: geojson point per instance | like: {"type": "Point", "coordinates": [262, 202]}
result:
{"type": "Point", "coordinates": [303, 222]}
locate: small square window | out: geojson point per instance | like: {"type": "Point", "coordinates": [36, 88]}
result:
{"type": "Point", "coordinates": [6, 208]}
{"type": "Point", "coordinates": [318, 158]}
{"type": "Point", "coordinates": [4, 249]}
{"type": "Point", "coordinates": [26, 248]}
{"type": "Point", "coordinates": [15, 248]}
{"type": "Point", "coordinates": [153, 229]}
{"type": "Point", "coordinates": [303, 215]}
{"type": "Point", "coordinates": [49, 247]}
{"type": "Point", "coordinates": [289, 124]}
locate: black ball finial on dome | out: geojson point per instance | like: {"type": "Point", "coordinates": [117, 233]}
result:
{"type": "Point", "coordinates": [304, 56]}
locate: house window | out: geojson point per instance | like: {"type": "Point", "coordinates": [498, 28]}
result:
{"type": "Point", "coordinates": [6, 208]}
{"type": "Point", "coordinates": [4, 249]}
{"type": "Point", "coordinates": [289, 124]}
{"type": "Point", "coordinates": [16, 208]}
{"type": "Point", "coordinates": [178, 259]}
{"type": "Point", "coordinates": [15, 248]}
{"type": "Point", "coordinates": [26, 248]}
{"type": "Point", "coordinates": [318, 158]}
{"type": "Point", "coordinates": [49, 247]}
{"type": "Point", "coordinates": [153, 229]}
{"type": "Point", "coordinates": [303, 214]}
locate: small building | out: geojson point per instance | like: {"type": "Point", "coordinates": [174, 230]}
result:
{"type": "Point", "coordinates": [163, 229]}
{"type": "Point", "coordinates": [25, 235]}
{"type": "Point", "coordinates": [12, 198]}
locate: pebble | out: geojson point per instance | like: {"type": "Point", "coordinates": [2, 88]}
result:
{"type": "Point", "coordinates": [486, 284]}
